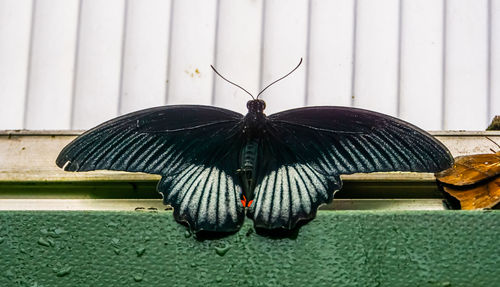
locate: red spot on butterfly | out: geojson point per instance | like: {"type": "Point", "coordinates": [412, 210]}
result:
{"type": "Point", "coordinates": [244, 202]}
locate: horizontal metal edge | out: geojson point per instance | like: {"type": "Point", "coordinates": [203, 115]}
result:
{"type": "Point", "coordinates": [79, 132]}
{"type": "Point", "coordinates": [28, 170]}
{"type": "Point", "coordinates": [157, 205]}
{"type": "Point", "coordinates": [41, 132]}
{"type": "Point", "coordinates": [116, 176]}
{"type": "Point", "coordinates": [462, 133]}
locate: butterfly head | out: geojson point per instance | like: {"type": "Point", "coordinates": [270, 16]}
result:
{"type": "Point", "coordinates": [256, 106]}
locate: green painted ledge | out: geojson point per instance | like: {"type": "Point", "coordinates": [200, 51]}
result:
{"type": "Point", "coordinates": [338, 248]}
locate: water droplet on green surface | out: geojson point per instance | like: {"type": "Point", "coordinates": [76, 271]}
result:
{"type": "Point", "coordinates": [59, 231]}
{"type": "Point", "coordinates": [140, 251]}
{"type": "Point", "coordinates": [51, 241]}
{"type": "Point", "coordinates": [63, 271]}
{"type": "Point", "coordinates": [44, 242]}
{"type": "Point", "coordinates": [221, 251]}
{"type": "Point", "coordinates": [138, 277]}
{"type": "Point", "coordinates": [115, 242]}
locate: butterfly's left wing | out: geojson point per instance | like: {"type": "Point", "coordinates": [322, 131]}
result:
{"type": "Point", "coordinates": [194, 148]}
{"type": "Point", "coordinates": [207, 196]}
{"type": "Point", "coordinates": [305, 151]}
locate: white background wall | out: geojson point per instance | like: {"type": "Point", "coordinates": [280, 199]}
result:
{"type": "Point", "coordinates": [71, 64]}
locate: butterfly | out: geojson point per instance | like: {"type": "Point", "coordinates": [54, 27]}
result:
{"type": "Point", "coordinates": [218, 165]}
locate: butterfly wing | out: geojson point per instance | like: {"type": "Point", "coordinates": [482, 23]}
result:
{"type": "Point", "coordinates": [342, 140]}
{"type": "Point", "coordinates": [194, 148]}
{"type": "Point", "coordinates": [310, 147]}
{"type": "Point", "coordinates": [288, 190]}
{"type": "Point", "coordinates": [207, 196]}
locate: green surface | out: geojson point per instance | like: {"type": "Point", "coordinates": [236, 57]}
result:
{"type": "Point", "coordinates": [343, 248]}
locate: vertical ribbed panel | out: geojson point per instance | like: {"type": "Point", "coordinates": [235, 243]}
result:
{"type": "Point", "coordinates": [73, 64]}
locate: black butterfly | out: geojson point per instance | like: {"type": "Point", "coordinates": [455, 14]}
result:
{"type": "Point", "coordinates": [217, 165]}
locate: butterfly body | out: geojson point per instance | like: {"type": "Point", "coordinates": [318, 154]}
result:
{"type": "Point", "coordinates": [254, 129]}
{"type": "Point", "coordinates": [248, 167]}
{"type": "Point", "coordinates": [219, 166]}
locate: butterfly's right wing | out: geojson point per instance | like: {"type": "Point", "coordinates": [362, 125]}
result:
{"type": "Point", "coordinates": [305, 151]}
{"type": "Point", "coordinates": [194, 148]}
{"type": "Point", "coordinates": [287, 190]}
{"type": "Point", "coordinates": [343, 140]}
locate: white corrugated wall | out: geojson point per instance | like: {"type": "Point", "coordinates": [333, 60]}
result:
{"type": "Point", "coordinates": [71, 64]}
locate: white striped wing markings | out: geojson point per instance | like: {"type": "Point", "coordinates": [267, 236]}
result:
{"type": "Point", "coordinates": [291, 190]}
{"type": "Point", "coordinates": [207, 194]}
{"type": "Point", "coordinates": [210, 196]}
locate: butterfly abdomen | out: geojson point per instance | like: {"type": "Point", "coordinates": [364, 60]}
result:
{"type": "Point", "coordinates": [247, 170]}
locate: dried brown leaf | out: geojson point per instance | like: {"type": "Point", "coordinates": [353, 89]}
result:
{"type": "Point", "coordinates": [484, 195]}
{"type": "Point", "coordinates": [471, 169]}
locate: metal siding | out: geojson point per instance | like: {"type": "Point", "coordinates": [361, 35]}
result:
{"type": "Point", "coordinates": [466, 66]}
{"type": "Point", "coordinates": [284, 43]}
{"type": "Point", "coordinates": [99, 62]}
{"type": "Point", "coordinates": [73, 64]}
{"type": "Point", "coordinates": [51, 65]}
{"type": "Point", "coordinates": [331, 35]}
{"type": "Point", "coordinates": [145, 55]}
{"type": "Point", "coordinates": [15, 36]}
{"type": "Point", "coordinates": [494, 59]}
{"type": "Point", "coordinates": [192, 44]}
{"type": "Point", "coordinates": [421, 63]}
{"type": "Point", "coordinates": [377, 56]}
{"type": "Point", "coordinates": [238, 53]}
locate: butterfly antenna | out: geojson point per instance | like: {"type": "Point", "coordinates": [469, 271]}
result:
{"type": "Point", "coordinates": [213, 68]}
{"type": "Point", "coordinates": [280, 78]}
